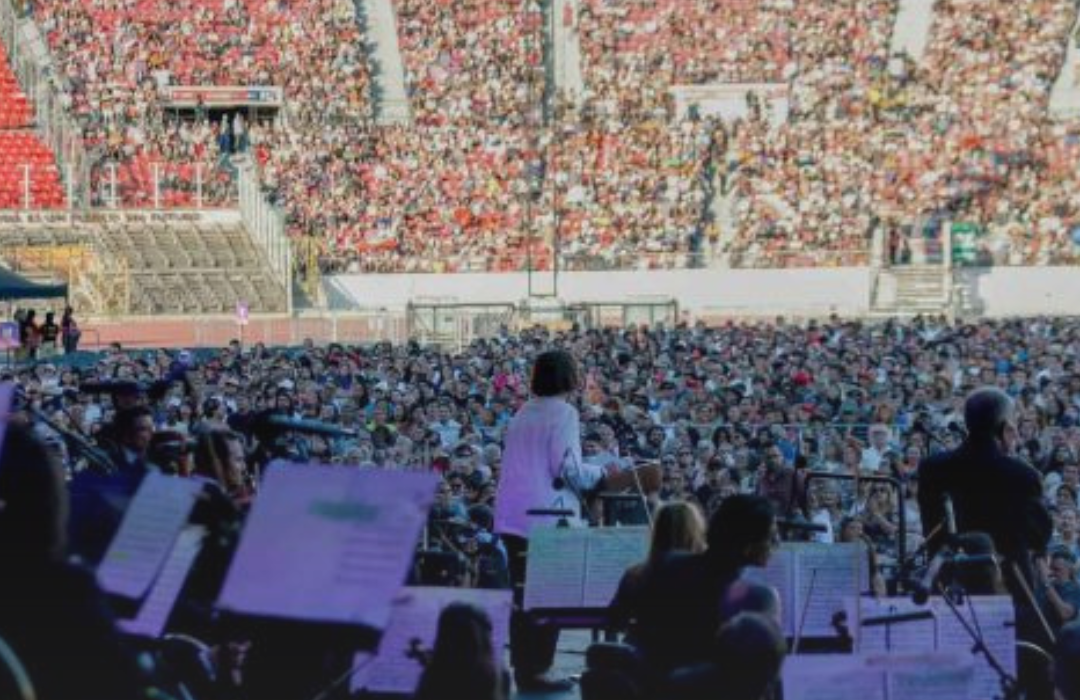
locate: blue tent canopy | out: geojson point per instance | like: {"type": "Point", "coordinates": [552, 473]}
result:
{"type": "Point", "coordinates": [14, 286]}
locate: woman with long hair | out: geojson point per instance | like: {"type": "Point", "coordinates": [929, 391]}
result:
{"type": "Point", "coordinates": [463, 663]}
{"type": "Point", "coordinates": [678, 527]}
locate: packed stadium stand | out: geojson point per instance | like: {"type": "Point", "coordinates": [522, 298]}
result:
{"type": "Point", "coordinates": [29, 176]}
{"type": "Point", "coordinates": [497, 167]}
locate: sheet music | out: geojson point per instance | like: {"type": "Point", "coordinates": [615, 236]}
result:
{"type": "Point", "coordinates": [832, 677]}
{"type": "Point", "coordinates": [555, 567]}
{"type": "Point", "coordinates": [151, 525]}
{"type": "Point", "coordinates": [328, 544]}
{"type": "Point", "coordinates": [931, 681]}
{"type": "Point", "coordinates": [937, 676]}
{"type": "Point", "coordinates": [997, 619]}
{"type": "Point", "coordinates": [611, 552]}
{"type": "Point", "coordinates": [833, 571]}
{"type": "Point", "coordinates": [779, 574]}
{"type": "Point", "coordinates": [416, 616]}
{"type": "Point", "coordinates": [156, 609]}
{"type": "Point", "coordinates": [898, 638]}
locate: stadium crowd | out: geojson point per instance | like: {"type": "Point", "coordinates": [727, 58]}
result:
{"type": "Point", "coordinates": [740, 408]}
{"type": "Point", "coordinates": [769, 409]}
{"type": "Point", "coordinates": [870, 140]}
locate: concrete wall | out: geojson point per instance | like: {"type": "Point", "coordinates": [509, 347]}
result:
{"type": "Point", "coordinates": [736, 292]}
{"type": "Point", "coordinates": [1023, 291]}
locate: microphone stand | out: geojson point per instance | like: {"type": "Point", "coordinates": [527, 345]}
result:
{"type": "Point", "coordinates": [1010, 688]}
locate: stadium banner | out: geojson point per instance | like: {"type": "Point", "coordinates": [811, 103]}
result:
{"type": "Point", "coordinates": [114, 216]}
{"type": "Point", "coordinates": [731, 101]}
{"type": "Point", "coordinates": [187, 97]}
{"type": "Point", "coordinates": [965, 237]}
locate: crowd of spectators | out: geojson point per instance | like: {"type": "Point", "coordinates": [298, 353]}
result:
{"type": "Point", "coordinates": [724, 410]}
{"type": "Point", "coordinates": [964, 135]}
{"type": "Point", "coordinates": [480, 178]}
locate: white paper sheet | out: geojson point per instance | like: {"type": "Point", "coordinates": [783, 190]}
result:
{"type": "Point", "coordinates": [147, 534]}
{"type": "Point", "coordinates": [555, 567]}
{"type": "Point", "coordinates": [155, 611]}
{"type": "Point", "coordinates": [912, 636]}
{"type": "Point", "coordinates": [328, 544]}
{"type": "Point", "coordinates": [997, 619]}
{"type": "Point", "coordinates": [816, 579]}
{"type": "Point", "coordinates": [580, 567]}
{"type": "Point", "coordinates": [938, 676]}
{"type": "Point", "coordinates": [611, 552]}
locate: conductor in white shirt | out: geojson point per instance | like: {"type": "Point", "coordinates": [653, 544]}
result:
{"type": "Point", "coordinates": [542, 469]}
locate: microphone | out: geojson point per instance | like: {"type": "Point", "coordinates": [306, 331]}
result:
{"type": "Point", "coordinates": [950, 520]}
{"type": "Point", "coordinates": [925, 585]}
{"type": "Point", "coordinates": [913, 616]}
{"type": "Point", "coordinates": [972, 560]}
{"type": "Point", "coordinates": [802, 525]}
{"type": "Point", "coordinates": [274, 422]}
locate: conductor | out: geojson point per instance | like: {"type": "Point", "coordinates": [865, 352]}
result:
{"type": "Point", "coordinates": [990, 491]}
{"type": "Point", "coordinates": [542, 469]}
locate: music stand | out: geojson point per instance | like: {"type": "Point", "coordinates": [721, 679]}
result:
{"type": "Point", "coordinates": [1010, 687]}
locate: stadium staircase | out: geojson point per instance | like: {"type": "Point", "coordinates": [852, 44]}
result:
{"type": "Point", "coordinates": [194, 269]}
{"type": "Point", "coordinates": [388, 92]}
{"type": "Point", "coordinates": [912, 289]}
{"type": "Point", "coordinates": [1065, 95]}
{"type": "Point", "coordinates": [911, 33]}
{"type": "Point", "coordinates": [191, 268]}
{"type": "Point", "coordinates": [566, 71]}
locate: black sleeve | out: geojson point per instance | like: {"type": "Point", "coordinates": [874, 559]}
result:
{"type": "Point", "coordinates": [624, 606]}
{"type": "Point", "coordinates": [1038, 523]}
{"type": "Point", "coordinates": [931, 501]}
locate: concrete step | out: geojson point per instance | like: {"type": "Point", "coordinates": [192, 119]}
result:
{"type": "Point", "coordinates": [1065, 95]}
{"type": "Point", "coordinates": [911, 33]}
{"type": "Point", "coordinates": [388, 91]}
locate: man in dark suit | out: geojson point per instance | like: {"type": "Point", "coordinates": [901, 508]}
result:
{"type": "Point", "coordinates": [991, 491]}
{"type": "Point", "coordinates": [688, 597]}
{"type": "Point", "coordinates": [99, 501]}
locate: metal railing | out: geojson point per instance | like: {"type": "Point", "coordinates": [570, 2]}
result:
{"type": "Point", "coordinates": [893, 483]}
{"type": "Point", "coordinates": [514, 262]}
{"type": "Point", "coordinates": [35, 187]}
{"type": "Point", "coordinates": [266, 224]}
{"type": "Point", "coordinates": [157, 185]}
{"type": "Point", "coordinates": [29, 60]}
{"type": "Point", "coordinates": [853, 257]}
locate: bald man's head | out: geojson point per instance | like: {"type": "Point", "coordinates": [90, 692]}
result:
{"type": "Point", "coordinates": [987, 412]}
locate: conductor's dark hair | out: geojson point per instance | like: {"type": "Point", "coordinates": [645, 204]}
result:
{"type": "Point", "coordinates": [750, 651]}
{"type": "Point", "coordinates": [33, 499]}
{"type": "Point", "coordinates": [986, 412]}
{"type": "Point", "coordinates": [740, 521]}
{"type": "Point", "coordinates": [554, 373]}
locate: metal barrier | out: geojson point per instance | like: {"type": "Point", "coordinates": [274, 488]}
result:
{"type": "Point", "coordinates": [280, 331]}
{"type": "Point", "coordinates": [901, 545]}
{"type": "Point", "coordinates": [266, 224]}
{"type": "Point", "coordinates": [148, 185]}
{"type": "Point", "coordinates": [858, 257]}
